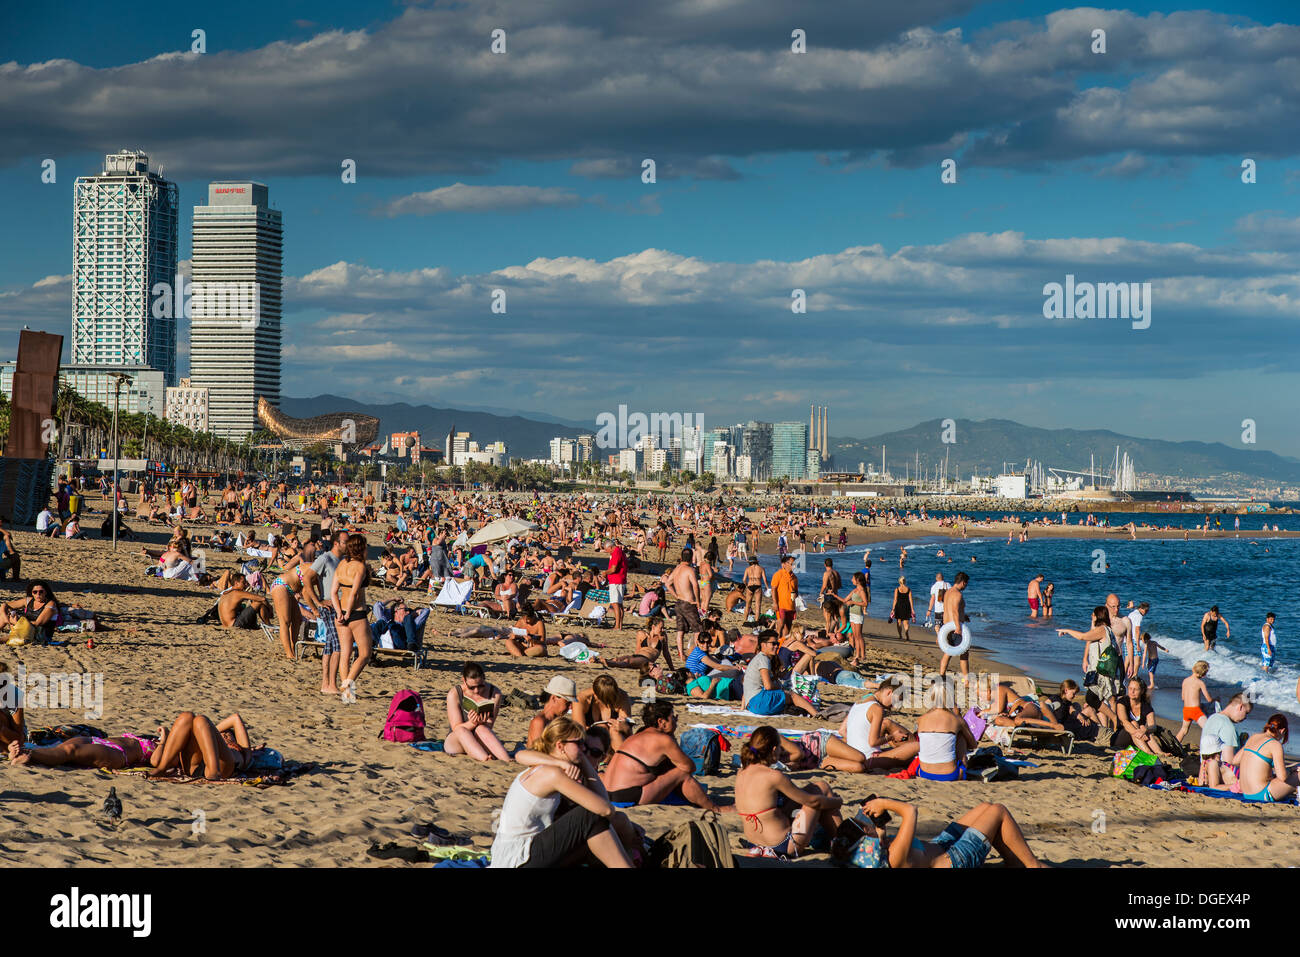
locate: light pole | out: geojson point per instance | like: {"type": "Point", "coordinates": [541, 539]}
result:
{"type": "Point", "coordinates": [118, 379]}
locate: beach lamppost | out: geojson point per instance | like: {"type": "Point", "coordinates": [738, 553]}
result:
{"type": "Point", "coordinates": [118, 379]}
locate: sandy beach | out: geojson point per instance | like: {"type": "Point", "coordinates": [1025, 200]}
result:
{"type": "Point", "coordinates": [157, 661]}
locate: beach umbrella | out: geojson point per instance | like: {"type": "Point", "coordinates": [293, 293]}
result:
{"type": "Point", "coordinates": [500, 530]}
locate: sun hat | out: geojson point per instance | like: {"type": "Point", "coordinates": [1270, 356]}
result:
{"type": "Point", "coordinates": [562, 687]}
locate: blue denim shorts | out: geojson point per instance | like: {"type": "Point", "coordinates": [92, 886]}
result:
{"type": "Point", "coordinates": [966, 846]}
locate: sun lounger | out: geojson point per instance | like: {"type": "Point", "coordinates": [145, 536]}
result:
{"type": "Point", "coordinates": [417, 658]}
{"type": "Point", "coordinates": [1031, 737]}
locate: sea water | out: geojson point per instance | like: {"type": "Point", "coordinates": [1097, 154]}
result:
{"type": "Point", "coordinates": [1246, 577]}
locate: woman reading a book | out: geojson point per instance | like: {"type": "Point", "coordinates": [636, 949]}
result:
{"type": "Point", "coordinates": [472, 709]}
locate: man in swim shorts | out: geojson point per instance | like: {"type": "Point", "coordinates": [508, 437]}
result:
{"type": "Point", "coordinates": [1268, 642]}
{"type": "Point", "coordinates": [685, 587]}
{"type": "Point", "coordinates": [1035, 594]}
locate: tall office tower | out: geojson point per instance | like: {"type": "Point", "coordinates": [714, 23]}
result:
{"type": "Point", "coordinates": [124, 244]}
{"type": "Point", "coordinates": [789, 450]}
{"type": "Point", "coordinates": [235, 314]}
{"type": "Point", "coordinates": [756, 442]}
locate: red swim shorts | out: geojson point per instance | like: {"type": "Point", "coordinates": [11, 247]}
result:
{"type": "Point", "coordinates": [1191, 714]}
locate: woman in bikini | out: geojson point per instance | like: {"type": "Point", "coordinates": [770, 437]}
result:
{"type": "Point", "coordinates": [1011, 711]}
{"type": "Point", "coordinates": [1262, 768]}
{"type": "Point", "coordinates": [650, 643]}
{"type": "Point", "coordinates": [532, 643]}
{"type": "Point", "coordinates": [348, 595]}
{"type": "Point", "coordinates": [780, 817]}
{"type": "Point", "coordinates": [287, 598]}
{"type": "Point", "coordinates": [606, 705]}
{"type": "Point", "coordinates": [113, 753]}
{"type": "Point", "coordinates": [755, 580]}
{"type": "Point", "coordinates": [651, 767]}
{"type": "Point", "coordinates": [856, 605]}
{"type": "Point", "coordinates": [195, 746]}
{"type": "Point", "coordinates": [472, 709]}
{"type": "Point", "coordinates": [705, 571]}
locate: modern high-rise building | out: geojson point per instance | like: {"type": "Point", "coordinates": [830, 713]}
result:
{"type": "Point", "coordinates": [124, 236]}
{"type": "Point", "coordinates": [789, 450]}
{"type": "Point", "coordinates": [711, 438]}
{"type": "Point", "coordinates": [235, 313]}
{"type": "Point", "coordinates": [756, 442]}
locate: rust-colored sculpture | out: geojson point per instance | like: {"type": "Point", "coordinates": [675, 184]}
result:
{"type": "Point", "coordinates": [350, 428]}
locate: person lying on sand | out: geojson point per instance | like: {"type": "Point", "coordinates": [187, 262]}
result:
{"type": "Point", "coordinates": [113, 753]}
{"type": "Point", "coordinates": [781, 818]}
{"type": "Point", "coordinates": [965, 843]}
{"type": "Point", "coordinates": [651, 767]}
{"type": "Point", "coordinates": [195, 746]}
{"type": "Point", "coordinates": [650, 643]}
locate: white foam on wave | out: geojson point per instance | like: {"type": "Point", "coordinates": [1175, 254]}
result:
{"type": "Point", "coordinates": [1276, 690]}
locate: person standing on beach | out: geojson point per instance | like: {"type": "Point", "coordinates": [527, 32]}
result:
{"type": "Point", "coordinates": [616, 577]}
{"type": "Point", "coordinates": [1124, 637]}
{"type": "Point", "coordinates": [1194, 691]}
{"type": "Point", "coordinates": [1101, 670]}
{"type": "Point", "coordinates": [785, 586]}
{"type": "Point", "coordinates": [684, 586]}
{"type": "Point", "coordinates": [954, 612]}
{"type": "Point", "coordinates": [1134, 619]}
{"type": "Point", "coordinates": [1035, 594]}
{"type": "Point", "coordinates": [1267, 642]}
{"type": "Point", "coordinates": [831, 581]}
{"type": "Point", "coordinates": [1210, 627]}
{"type": "Point", "coordinates": [935, 604]}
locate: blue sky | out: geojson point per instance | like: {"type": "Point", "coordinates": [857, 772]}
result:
{"type": "Point", "coordinates": [818, 171]}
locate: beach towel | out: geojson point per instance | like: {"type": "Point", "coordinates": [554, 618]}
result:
{"type": "Point", "coordinates": [251, 778]}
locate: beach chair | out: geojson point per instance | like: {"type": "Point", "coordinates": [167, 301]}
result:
{"type": "Point", "coordinates": [592, 614]}
{"type": "Point", "coordinates": [455, 595]}
{"type": "Point", "coordinates": [1027, 736]}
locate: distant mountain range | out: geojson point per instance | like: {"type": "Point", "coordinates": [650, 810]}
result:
{"type": "Point", "coordinates": [981, 446]}
{"type": "Point", "coordinates": [984, 446]}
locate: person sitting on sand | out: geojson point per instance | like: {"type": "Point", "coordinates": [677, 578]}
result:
{"type": "Point", "coordinates": [13, 726]}
{"type": "Point", "coordinates": [534, 831]}
{"type": "Point", "coordinates": [763, 694]}
{"type": "Point", "coordinates": [1194, 691]}
{"type": "Point", "coordinates": [195, 746]}
{"type": "Point", "coordinates": [557, 699]}
{"type": "Point", "coordinates": [532, 643]}
{"type": "Point", "coordinates": [1219, 742]}
{"type": "Point", "coordinates": [781, 818]}
{"type": "Point", "coordinates": [112, 753]}
{"type": "Point", "coordinates": [1137, 721]}
{"type": "Point", "coordinates": [1010, 710]}
{"type": "Point", "coordinates": [605, 705]}
{"type": "Point", "coordinates": [651, 767]}
{"type": "Point", "coordinates": [965, 843]}
{"type": "Point", "coordinates": [943, 741]}
{"type": "Point", "coordinates": [1262, 766]}
{"type": "Point", "coordinates": [40, 608]}
{"type": "Point", "coordinates": [883, 744]}
{"type": "Point", "coordinates": [650, 643]}
{"type": "Point", "coordinates": [1074, 712]}
{"type": "Point", "coordinates": [239, 608]}
{"type": "Point", "coordinates": [472, 710]}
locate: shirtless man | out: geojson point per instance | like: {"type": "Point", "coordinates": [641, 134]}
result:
{"type": "Point", "coordinates": [954, 610]}
{"type": "Point", "coordinates": [1035, 595]}
{"type": "Point", "coordinates": [1124, 637]}
{"type": "Point", "coordinates": [242, 609]}
{"type": "Point", "coordinates": [831, 581]}
{"type": "Point", "coordinates": [755, 580]}
{"type": "Point", "coordinates": [685, 587]}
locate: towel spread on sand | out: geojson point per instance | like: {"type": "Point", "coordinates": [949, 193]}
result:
{"type": "Point", "coordinates": [721, 709]}
{"type": "Point", "coordinates": [266, 779]}
{"type": "Point", "coordinates": [742, 730]}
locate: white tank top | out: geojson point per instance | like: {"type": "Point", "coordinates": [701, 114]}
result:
{"type": "Point", "coordinates": [858, 730]}
{"type": "Point", "coordinates": [937, 747]}
{"type": "Point", "coordinates": [524, 815]}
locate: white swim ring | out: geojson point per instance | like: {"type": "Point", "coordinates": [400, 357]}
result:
{"type": "Point", "coordinates": [961, 647]}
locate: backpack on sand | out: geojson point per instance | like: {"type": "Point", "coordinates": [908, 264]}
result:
{"type": "Point", "coordinates": [704, 747]}
{"type": "Point", "coordinates": [701, 843]}
{"type": "Point", "coordinates": [405, 722]}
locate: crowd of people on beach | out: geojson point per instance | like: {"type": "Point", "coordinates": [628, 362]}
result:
{"type": "Point", "coordinates": [590, 754]}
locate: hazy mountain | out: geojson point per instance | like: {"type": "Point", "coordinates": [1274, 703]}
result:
{"type": "Point", "coordinates": [525, 438]}
{"type": "Point", "coordinates": [985, 445]}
